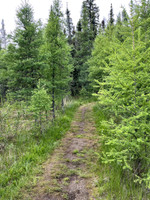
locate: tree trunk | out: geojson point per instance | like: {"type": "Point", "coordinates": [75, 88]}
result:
{"type": "Point", "coordinates": [62, 105]}
{"type": "Point", "coordinates": [53, 93]}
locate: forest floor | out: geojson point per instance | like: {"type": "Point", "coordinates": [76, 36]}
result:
{"type": "Point", "coordinates": [70, 172]}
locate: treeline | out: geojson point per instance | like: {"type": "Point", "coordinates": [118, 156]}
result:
{"type": "Point", "coordinates": [51, 57]}
{"type": "Point", "coordinates": [37, 57]}
{"type": "Point", "coordinates": [120, 68]}
{"type": "Point", "coordinates": [44, 64]}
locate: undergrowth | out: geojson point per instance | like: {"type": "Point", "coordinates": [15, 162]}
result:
{"type": "Point", "coordinates": [114, 183]}
{"type": "Point", "coordinates": [23, 156]}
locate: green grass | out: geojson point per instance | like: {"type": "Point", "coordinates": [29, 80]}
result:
{"type": "Point", "coordinates": [23, 156]}
{"type": "Point", "coordinates": [114, 183]}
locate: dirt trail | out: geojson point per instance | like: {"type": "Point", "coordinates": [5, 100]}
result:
{"type": "Point", "coordinates": [69, 172]}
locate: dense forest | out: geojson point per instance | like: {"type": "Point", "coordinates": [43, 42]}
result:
{"type": "Point", "coordinates": [44, 68]}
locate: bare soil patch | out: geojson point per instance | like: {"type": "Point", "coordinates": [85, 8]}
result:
{"type": "Point", "coordinates": [68, 174]}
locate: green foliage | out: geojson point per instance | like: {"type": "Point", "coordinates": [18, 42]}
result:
{"type": "Point", "coordinates": [99, 59]}
{"type": "Point", "coordinates": [69, 26]}
{"type": "Point", "coordinates": [3, 74]}
{"type": "Point", "coordinates": [40, 104]}
{"type": "Point", "coordinates": [22, 58]}
{"type": "Point", "coordinates": [111, 17]}
{"type": "Point", "coordinates": [57, 55]}
{"type": "Point", "coordinates": [127, 95]}
{"type": "Point", "coordinates": [40, 101]}
{"type": "Point", "coordinates": [23, 155]}
{"type": "Point", "coordinates": [87, 29]}
{"type": "Point", "coordinates": [114, 182]}
{"type": "Point", "coordinates": [124, 90]}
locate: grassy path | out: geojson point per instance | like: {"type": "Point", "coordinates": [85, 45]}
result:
{"type": "Point", "coordinates": [69, 173]}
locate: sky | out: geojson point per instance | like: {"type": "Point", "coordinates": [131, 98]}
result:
{"type": "Point", "coordinates": [42, 7]}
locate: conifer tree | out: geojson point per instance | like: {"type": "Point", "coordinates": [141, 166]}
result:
{"type": "Point", "coordinates": [3, 75]}
{"type": "Point", "coordinates": [84, 37]}
{"type": "Point", "coordinates": [103, 24]}
{"type": "Point", "coordinates": [125, 16]}
{"type": "Point", "coordinates": [24, 63]}
{"type": "Point", "coordinates": [121, 29]}
{"type": "Point", "coordinates": [93, 11]}
{"type": "Point", "coordinates": [99, 59]}
{"type": "Point", "coordinates": [124, 92]}
{"type": "Point", "coordinates": [111, 19]}
{"type": "Point", "coordinates": [144, 12]}
{"type": "Point", "coordinates": [110, 25]}
{"type": "Point", "coordinates": [75, 84]}
{"type": "Point", "coordinates": [57, 72]}
{"type": "Point", "coordinates": [69, 27]}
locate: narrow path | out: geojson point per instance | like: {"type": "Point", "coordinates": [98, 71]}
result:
{"type": "Point", "coordinates": [69, 172]}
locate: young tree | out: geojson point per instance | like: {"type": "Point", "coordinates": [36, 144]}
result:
{"type": "Point", "coordinates": [125, 89]}
{"type": "Point", "coordinates": [57, 72]}
{"type": "Point", "coordinates": [110, 25]}
{"type": "Point", "coordinates": [144, 13]}
{"type": "Point", "coordinates": [39, 104]}
{"type": "Point", "coordinates": [125, 17]}
{"type": "Point", "coordinates": [98, 61]}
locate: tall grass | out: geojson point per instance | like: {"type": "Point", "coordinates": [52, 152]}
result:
{"type": "Point", "coordinates": [25, 149]}
{"type": "Point", "coordinates": [114, 183]}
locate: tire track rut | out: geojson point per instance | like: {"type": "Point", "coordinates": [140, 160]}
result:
{"type": "Point", "coordinates": [68, 174]}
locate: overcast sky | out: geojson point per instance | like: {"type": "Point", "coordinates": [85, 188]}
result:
{"type": "Point", "coordinates": [42, 7]}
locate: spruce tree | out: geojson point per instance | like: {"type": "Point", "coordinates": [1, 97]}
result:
{"type": "Point", "coordinates": [103, 24]}
{"type": "Point", "coordinates": [110, 25]}
{"type": "Point", "coordinates": [57, 51]}
{"type": "Point", "coordinates": [111, 17]}
{"type": "Point", "coordinates": [93, 11]}
{"type": "Point", "coordinates": [84, 38]}
{"type": "Point", "coordinates": [75, 84]}
{"type": "Point", "coordinates": [69, 27]}
{"type": "Point", "coordinates": [24, 63]}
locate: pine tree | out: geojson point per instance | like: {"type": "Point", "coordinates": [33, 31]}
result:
{"type": "Point", "coordinates": [24, 63]}
{"type": "Point", "coordinates": [57, 72]}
